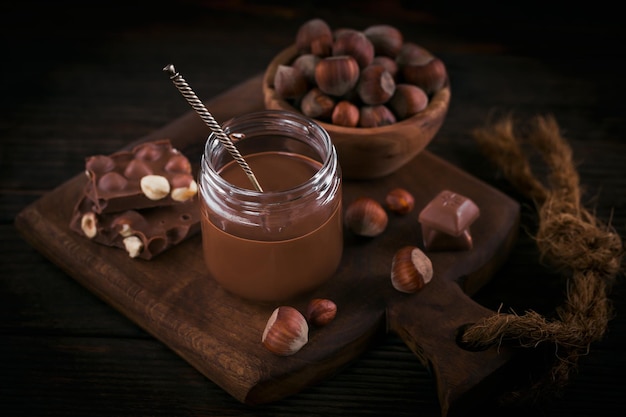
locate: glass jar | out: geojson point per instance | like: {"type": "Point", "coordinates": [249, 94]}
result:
{"type": "Point", "coordinates": [288, 239]}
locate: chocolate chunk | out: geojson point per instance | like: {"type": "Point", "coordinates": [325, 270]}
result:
{"type": "Point", "coordinates": [446, 220]}
{"type": "Point", "coordinates": [143, 201]}
{"type": "Point", "coordinates": [142, 233]}
{"type": "Point", "coordinates": [151, 174]}
{"type": "Point", "coordinates": [435, 240]}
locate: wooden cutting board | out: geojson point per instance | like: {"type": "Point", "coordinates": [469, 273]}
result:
{"type": "Point", "coordinates": [173, 299]}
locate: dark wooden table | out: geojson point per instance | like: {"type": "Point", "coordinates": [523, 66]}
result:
{"type": "Point", "coordinates": [81, 80]}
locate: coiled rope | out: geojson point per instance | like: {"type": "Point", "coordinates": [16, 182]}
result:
{"type": "Point", "coordinates": [577, 243]}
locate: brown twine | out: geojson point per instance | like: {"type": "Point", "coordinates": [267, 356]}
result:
{"type": "Point", "coordinates": [570, 237]}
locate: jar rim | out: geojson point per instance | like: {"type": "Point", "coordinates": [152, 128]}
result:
{"type": "Point", "coordinates": [327, 160]}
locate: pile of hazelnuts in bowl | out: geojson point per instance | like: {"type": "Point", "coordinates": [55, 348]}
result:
{"type": "Point", "coordinates": [381, 98]}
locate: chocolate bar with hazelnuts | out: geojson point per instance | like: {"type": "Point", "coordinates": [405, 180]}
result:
{"type": "Point", "coordinates": [152, 174]}
{"type": "Point", "coordinates": [141, 233]}
{"type": "Point", "coordinates": [143, 200]}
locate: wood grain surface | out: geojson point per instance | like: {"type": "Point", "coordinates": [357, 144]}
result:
{"type": "Point", "coordinates": [173, 298]}
{"type": "Point", "coordinates": [74, 85]}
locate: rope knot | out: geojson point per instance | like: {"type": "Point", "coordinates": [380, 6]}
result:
{"type": "Point", "coordinates": [569, 235]}
{"type": "Point", "coordinates": [578, 244]}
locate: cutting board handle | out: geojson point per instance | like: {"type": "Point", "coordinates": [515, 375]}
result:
{"type": "Point", "coordinates": [430, 322]}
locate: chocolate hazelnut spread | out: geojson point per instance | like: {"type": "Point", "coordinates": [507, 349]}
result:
{"type": "Point", "coordinates": [281, 254]}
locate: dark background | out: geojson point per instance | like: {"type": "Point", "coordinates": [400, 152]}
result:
{"type": "Point", "coordinates": [85, 78]}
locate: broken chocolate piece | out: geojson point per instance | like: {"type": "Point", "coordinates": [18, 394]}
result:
{"type": "Point", "coordinates": [142, 233]}
{"type": "Point", "coordinates": [151, 174]}
{"type": "Point", "coordinates": [142, 200]}
{"type": "Point", "coordinates": [446, 220]}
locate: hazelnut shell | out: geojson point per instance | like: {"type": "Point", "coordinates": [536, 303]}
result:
{"type": "Point", "coordinates": [366, 217]}
{"type": "Point", "coordinates": [387, 40]}
{"type": "Point", "coordinates": [286, 331]}
{"type": "Point", "coordinates": [317, 105]}
{"type": "Point", "coordinates": [430, 76]}
{"type": "Point", "coordinates": [400, 201]}
{"type": "Point", "coordinates": [337, 75]}
{"type": "Point", "coordinates": [407, 100]}
{"type": "Point", "coordinates": [321, 311]}
{"type": "Point", "coordinates": [346, 114]}
{"type": "Point", "coordinates": [290, 82]}
{"type": "Point", "coordinates": [376, 116]}
{"type": "Point", "coordinates": [411, 269]}
{"type": "Point", "coordinates": [314, 36]}
{"type": "Point", "coordinates": [376, 85]}
{"type": "Point", "coordinates": [355, 44]}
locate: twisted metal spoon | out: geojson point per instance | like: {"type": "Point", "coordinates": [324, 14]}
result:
{"type": "Point", "coordinates": [208, 118]}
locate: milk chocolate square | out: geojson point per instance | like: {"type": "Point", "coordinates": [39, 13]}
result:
{"type": "Point", "coordinates": [446, 220]}
{"type": "Point", "coordinates": [435, 240]}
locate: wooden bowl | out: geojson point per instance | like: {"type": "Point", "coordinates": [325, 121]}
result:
{"type": "Point", "coordinates": [367, 153]}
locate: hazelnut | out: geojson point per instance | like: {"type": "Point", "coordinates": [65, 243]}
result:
{"type": "Point", "coordinates": [184, 192]}
{"type": "Point", "coordinates": [376, 85]}
{"type": "Point", "coordinates": [411, 269]}
{"type": "Point", "coordinates": [181, 180]}
{"type": "Point", "coordinates": [355, 44]}
{"type": "Point", "coordinates": [155, 187]}
{"type": "Point", "coordinates": [387, 40]}
{"type": "Point", "coordinates": [149, 151]}
{"type": "Point", "coordinates": [321, 311]}
{"type": "Point", "coordinates": [125, 230]}
{"type": "Point", "coordinates": [133, 246]}
{"type": "Point", "coordinates": [407, 100]}
{"type": "Point", "coordinates": [178, 163]}
{"type": "Point", "coordinates": [306, 63]}
{"type": "Point", "coordinates": [88, 224]}
{"type": "Point", "coordinates": [112, 181]}
{"type": "Point", "coordinates": [346, 114]}
{"type": "Point", "coordinates": [366, 217]}
{"type": "Point", "coordinates": [337, 32]}
{"type": "Point", "coordinates": [99, 163]}
{"type": "Point", "coordinates": [412, 54]}
{"type": "Point", "coordinates": [136, 169]}
{"type": "Point", "coordinates": [389, 64]}
{"type": "Point", "coordinates": [316, 104]}
{"type": "Point", "coordinates": [377, 115]}
{"type": "Point", "coordinates": [430, 76]}
{"type": "Point", "coordinates": [286, 331]}
{"type": "Point", "coordinates": [126, 223]}
{"type": "Point", "coordinates": [337, 75]}
{"type": "Point", "coordinates": [314, 36]}
{"type": "Point", "coordinates": [289, 82]}
{"type": "Point", "coordinates": [399, 200]}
